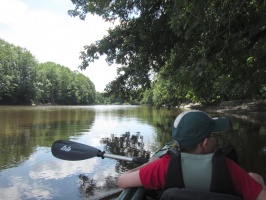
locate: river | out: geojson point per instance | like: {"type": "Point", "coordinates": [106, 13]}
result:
{"type": "Point", "coordinates": [28, 170]}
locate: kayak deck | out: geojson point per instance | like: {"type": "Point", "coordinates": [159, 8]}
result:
{"type": "Point", "coordinates": [132, 193]}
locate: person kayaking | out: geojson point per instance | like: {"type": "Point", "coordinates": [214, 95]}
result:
{"type": "Point", "coordinates": [196, 164]}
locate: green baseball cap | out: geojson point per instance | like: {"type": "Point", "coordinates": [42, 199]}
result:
{"type": "Point", "coordinates": [191, 127]}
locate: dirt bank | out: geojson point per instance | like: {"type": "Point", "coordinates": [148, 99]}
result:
{"type": "Point", "coordinates": [255, 108]}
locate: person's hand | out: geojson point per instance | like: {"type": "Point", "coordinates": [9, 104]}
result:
{"type": "Point", "coordinates": [257, 178]}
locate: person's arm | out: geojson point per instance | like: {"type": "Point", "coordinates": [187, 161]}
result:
{"type": "Point", "coordinates": [262, 195]}
{"type": "Point", "coordinates": [248, 186]}
{"type": "Point", "coordinates": [259, 179]}
{"type": "Point", "coordinates": [131, 178]}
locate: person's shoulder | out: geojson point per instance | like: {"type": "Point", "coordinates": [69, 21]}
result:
{"type": "Point", "coordinates": [163, 161]}
{"type": "Point", "coordinates": [165, 158]}
{"type": "Point", "coordinates": [230, 161]}
{"type": "Point", "coordinates": [235, 169]}
{"type": "Point", "coordinates": [231, 164]}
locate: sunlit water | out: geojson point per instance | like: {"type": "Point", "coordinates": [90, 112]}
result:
{"type": "Point", "coordinates": [29, 171]}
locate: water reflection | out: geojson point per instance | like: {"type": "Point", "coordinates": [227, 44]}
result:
{"type": "Point", "coordinates": [88, 187]}
{"type": "Point", "coordinates": [125, 145]}
{"type": "Point", "coordinates": [29, 171]}
{"type": "Point", "coordinates": [27, 168]}
{"type": "Point", "coordinates": [24, 128]}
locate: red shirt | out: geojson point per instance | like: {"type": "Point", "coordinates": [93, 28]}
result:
{"type": "Point", "coordinates": [153, 175]}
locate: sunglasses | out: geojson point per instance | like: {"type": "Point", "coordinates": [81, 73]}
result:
{"type": "Point", "coordinates": [216, 136]}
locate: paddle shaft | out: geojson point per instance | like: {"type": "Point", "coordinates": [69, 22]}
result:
{"type": "Point", "coordinates": [137, 160]}
{"type": "Point", "coordinates": [74, 151]}
{"type": "Point", "coordinates": [117, 157]}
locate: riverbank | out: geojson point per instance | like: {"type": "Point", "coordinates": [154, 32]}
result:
{"type": "Point", "coordinates": [252, 108]}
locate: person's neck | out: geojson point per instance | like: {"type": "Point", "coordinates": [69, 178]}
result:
{"type": "Point", "coordinates": [198, 150]}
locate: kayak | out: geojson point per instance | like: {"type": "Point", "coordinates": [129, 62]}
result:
{"type": "Point", "coordinates": [140, 194]}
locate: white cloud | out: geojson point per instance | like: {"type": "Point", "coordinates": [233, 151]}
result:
{"type": "Point", "coordinates": [51, 36]}
{"type": "Point", "coordinates": [12, 11]}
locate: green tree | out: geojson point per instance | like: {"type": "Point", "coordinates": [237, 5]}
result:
{"type": "Point", "coordinates": [24, 81]}
{"type": "Point", "coordinates": [99, 98]}
{"type": "Point", "coordinates": [48, 82]}
{"type": "Point", "coordinates": [209, 49]}
{"type": "Point", "coordinates": [59, 85]}
{"type": "Point", "coordinates": [17, 74]}
{"type": "Point", "coordinates": [147, 97]}
{"type": "Point", "coordinates": [86, 90]}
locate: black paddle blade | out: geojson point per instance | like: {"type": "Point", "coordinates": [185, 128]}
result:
{"type": "Point", "coordinates": [69, 150]}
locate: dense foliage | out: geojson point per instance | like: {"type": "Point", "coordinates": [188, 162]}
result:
{"type": "Point", "coordinates": [24, 81]}
{"type": "Point", "coordinates": [175, 51]}
{"type": "Point", "coordinates": [59, 84]}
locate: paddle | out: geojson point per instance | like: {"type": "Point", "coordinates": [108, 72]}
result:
{"type": "Point", "coordinates": [73, 151]}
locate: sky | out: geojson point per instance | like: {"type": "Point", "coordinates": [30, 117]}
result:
{"type": "Point", "coordinates": [45, 29]}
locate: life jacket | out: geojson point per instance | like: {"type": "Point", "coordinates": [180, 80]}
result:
{"type": "Point", "coordinates": [221, 181]}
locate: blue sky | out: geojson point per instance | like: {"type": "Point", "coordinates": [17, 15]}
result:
{"type": "Point", "coordinates": [45, 29]}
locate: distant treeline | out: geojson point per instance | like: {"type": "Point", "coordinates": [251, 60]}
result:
{"type": "Point", "coordinates": [25, 81]}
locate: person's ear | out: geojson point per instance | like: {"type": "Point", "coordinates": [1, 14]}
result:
{"type": "Point", "coordinates": [205, 143]}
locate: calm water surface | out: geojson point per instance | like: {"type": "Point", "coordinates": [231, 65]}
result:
{"type": "Point", "coordinates": [29, 171]}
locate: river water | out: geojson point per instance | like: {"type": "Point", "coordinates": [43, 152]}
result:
{"type": "Point", "coordinates": [28, 170]}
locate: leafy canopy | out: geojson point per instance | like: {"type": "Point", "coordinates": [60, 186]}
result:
{"type": "Point", "coordinates": [203, 49]}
